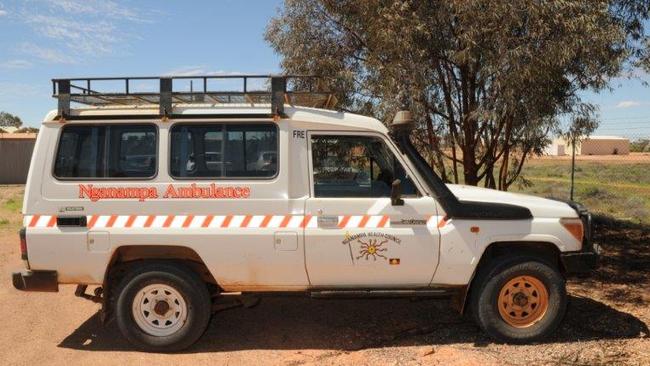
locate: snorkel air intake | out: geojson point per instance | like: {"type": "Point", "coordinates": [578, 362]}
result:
{"type": "Point", "coordinates": [401, 129]}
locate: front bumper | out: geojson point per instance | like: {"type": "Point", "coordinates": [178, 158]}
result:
{"type": "Point", "coordinates": [42, 281]}
{"type": "Point", "coordinates": [581, 262]}
{"type": "Point", "coordinates": [586, 259]}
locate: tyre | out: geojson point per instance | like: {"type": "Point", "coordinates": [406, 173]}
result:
{"type": "Point", "coordinates": [162, 307]}
{"type": "Point", "coordinates": [519, 300]}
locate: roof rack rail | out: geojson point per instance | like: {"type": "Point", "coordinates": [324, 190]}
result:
{"type": "Point", "coordinates": [274, 92]}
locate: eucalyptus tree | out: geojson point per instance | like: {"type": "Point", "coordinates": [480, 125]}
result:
{"type": "Point", "coordinates": [489, 80]}
{"type": "Point", "coordinates": [9, 120]}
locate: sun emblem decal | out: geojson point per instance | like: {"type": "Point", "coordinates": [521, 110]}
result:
{"type": "Point", "coordinates": [373, 248]}
{"type": "Point", "coordinates": [371, 244]}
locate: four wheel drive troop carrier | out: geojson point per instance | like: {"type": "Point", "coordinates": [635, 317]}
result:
{"type": "Point", "coordinates": [167, 201]}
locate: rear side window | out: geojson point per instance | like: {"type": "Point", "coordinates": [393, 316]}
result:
{"type": "Point", "coordinates": [106, 151]}
{"type": "Point", "coordinates": [224, 151]}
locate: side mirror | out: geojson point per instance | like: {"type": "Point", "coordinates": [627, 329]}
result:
{"type": "Point", "coordinates": [396, 193]}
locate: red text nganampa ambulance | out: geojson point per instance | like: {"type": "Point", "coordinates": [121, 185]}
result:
{"type": "Point", "coordinates": [168, 200]}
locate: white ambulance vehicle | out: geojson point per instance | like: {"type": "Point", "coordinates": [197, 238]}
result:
{"type": "Point", "coordinates": [167, 201]}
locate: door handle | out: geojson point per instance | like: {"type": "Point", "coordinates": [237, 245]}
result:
{"type": "Point", "coordinates": [328, 221]}
{"type": "Point", "coordinates": [71, 221]}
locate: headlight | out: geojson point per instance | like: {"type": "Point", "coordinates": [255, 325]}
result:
{"type": "Point", "coordinates": [575, 227]}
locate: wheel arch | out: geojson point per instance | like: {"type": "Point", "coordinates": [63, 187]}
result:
{"type": "Point", "coordinates": [547, 251]}
{"type": "Point", "coordinates": [125, 257]}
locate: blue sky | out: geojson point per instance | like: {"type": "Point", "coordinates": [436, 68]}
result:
{"type": "Point", "coordinates": [43, 39]}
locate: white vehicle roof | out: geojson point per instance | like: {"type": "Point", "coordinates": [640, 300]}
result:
{"type": "Point", "coordinates": [328, 119]}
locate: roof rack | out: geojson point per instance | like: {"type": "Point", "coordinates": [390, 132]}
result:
{"type": "Point", "coordinates": [275, 91]}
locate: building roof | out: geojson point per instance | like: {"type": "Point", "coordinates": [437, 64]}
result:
{"type": "Point", "coordinates": [17, 136]}
{"type": "Point", "coordinates": [606, 138]}
{"type": "Point", "coordinates": [9, 129]}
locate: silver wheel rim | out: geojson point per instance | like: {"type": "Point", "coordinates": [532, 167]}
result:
{"type": "Point", "coordinates": [159, 310]}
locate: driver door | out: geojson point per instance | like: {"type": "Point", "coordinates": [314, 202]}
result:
{"type": "Point", "coordinates": [359, 238]}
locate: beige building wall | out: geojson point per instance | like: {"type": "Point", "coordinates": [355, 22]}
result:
{"type": "Point", "coordinates": [594, 145]}
{"type": "Point", "coordinates": [605, 146]}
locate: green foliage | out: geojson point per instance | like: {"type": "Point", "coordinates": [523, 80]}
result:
{"type": "Point", "coordinates": [641, 145]}
{"type": "Point", "coordinates": [487, 79]}
{"type": "Point", "coordinates": [7, 119]}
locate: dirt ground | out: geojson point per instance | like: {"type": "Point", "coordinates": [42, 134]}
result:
{"type": "Point", "coordinates": [606, 323]}
{"type": "Point", "coordinates": [631, 158]}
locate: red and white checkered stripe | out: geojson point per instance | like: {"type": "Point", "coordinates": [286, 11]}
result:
{"type": "Point", "coordinates": [199, 221]}
{"type": "Point", "coordinates": [39, 221]}
{"type": "Point", "coordinates": [364, 221]}
{"type": "Point", "coordinates": [215, 221]}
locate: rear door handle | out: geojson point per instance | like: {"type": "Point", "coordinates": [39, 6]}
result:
{"type": "Point", "coordinates": [71, 221]}
{"type": "Point", "coordinates": [328, 221]}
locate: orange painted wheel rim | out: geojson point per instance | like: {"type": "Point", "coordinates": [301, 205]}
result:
{"type": "Point", "coordinates": [523, 301]}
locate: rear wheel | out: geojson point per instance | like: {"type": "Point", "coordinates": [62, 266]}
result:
{"type": "Point", "coordinates": [519, 300]}
{"type": "Point", "coordinates": [162, 307]}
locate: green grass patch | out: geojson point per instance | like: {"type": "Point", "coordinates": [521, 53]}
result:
{"type": "Point", "coordinates": [611, 188]}
{"type": "Point", "coordinates": [620, 190]}
{"type": "Point", "coordinates": [13, 205]}
{"type": "Point", "coordinates": [11, 198]}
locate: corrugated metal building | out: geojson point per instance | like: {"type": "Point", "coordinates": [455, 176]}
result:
{"type": "Point", "coordinates": [15, 156]}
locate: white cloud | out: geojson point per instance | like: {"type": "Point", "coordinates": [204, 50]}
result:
{"type": "Point", "coordinates": [10, 89]}
{"type": "Point", "coordinates": [83, 37]}
{"type": "Point", "coordinates": [103, 8]}
{"type": "Point", "coordinates": [3, 12]}
{"type": "Point", "coordinates": [47, 54]}
{"type": "Point", "coordinates": [65, 30]}
{"type": "Point", "coordinates": [186, 71]}
{"type": "Point", "coordinates": [628, 104]}
{"type": "Point", "coordinates": [15, 64]}
{"type": "Point", "coordinates": [230, 84]}
{"type": "Point", "coordinates": [198, 71]}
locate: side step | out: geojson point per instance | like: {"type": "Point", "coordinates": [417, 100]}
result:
{"type": "Point", "coordinates": [81, 292]}
{"type": "Point", "coordinates": [351, 294]}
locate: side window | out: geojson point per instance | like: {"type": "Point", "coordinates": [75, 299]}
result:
{"type": "Point", "coordinates": [213, 158]}
{"type": "Point", "coordinates": [356, 166]}
{"type": "Point", "coordinates": [135, 155]}
{"type": "Point", "coordinates": [224, 151]}
{"type": "Point", "coordinates": [106, 151]}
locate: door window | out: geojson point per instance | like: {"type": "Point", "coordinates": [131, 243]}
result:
{"type": "Point", "coordinates": [356, 166]}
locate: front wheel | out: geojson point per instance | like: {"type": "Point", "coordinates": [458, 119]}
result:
{"type": "Point", "coordinates": [162, 307]}
{"type": "Point", "coordinates": [519, 301]}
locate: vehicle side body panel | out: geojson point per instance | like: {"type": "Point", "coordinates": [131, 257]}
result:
{"type": "Point", "coordinates": [270, 240]}
{"type": "Point", "coordinates": [463, 242]}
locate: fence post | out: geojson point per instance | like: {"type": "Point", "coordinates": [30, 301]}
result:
{"type": "Point", "coordinates": [573, 166]}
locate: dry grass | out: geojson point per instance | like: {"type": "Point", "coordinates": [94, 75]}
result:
{"type": "Point", "coordinates": [608, 188]}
